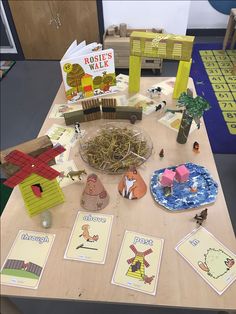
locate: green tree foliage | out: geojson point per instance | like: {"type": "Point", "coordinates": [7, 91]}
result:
{"type": "Point", "coordinates": [107, 79]}
{"type": "Point", "coordinates": [73, 78]}
{"type": "Point", "coordinates": [194, 107]}
{"type": "Point", "coordinates": [97, 80]}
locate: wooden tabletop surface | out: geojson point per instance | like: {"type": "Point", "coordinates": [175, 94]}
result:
{"type": "Point", "coordinates": [178, 285]}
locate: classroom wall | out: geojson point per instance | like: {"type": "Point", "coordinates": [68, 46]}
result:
{"type": "Point", "coordinates": [203, 15]}
{"type": "Point", "coordinates": [172, 16]}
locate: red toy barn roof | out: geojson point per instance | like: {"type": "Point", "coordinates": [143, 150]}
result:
{"type": "Point", "coordinates": [31, 165]}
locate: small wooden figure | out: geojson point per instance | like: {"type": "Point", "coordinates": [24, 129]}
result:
{"type": "Point", "coordinates": [161, 154]}
{"type": "Point", "coordinates": [161, 105]}
{"type": "Point", "coordinates": [201, 217]}
{"type": "Point", "coordinates": [196, 147]}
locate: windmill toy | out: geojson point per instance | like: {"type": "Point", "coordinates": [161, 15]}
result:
{"type": "Point", "coordinates": [36, 179]}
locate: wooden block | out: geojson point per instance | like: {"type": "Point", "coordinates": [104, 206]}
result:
{"type": "Point", "coordinates": [74, 116]}
{"type": "Point", "coordinates": [33, 148]}
{"type": "Point", "coordinates": [125, 112]}
{"type": "Point", "coordinates": [123, 30]}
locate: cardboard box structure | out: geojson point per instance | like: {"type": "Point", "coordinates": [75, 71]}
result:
{"type": "Point", "coordinates": [37, 180]}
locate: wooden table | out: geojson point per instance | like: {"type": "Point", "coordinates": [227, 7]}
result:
{"type": "Point", "coordinates": [179, 285]}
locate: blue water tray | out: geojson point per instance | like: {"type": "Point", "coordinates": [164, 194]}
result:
{"type": "Point", "coordinates": [182, 198]}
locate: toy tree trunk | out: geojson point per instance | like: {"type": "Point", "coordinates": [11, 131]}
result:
{"type": "Point", "coordinates": [184, 128]}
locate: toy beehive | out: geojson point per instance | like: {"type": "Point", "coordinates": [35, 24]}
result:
{"type": "Point", "coordinates": [37, 180]}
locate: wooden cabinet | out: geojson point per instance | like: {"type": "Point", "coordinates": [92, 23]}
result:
{"type": "Point", "coordinates": [121, 46]}
{"type": "Point", "coordinates": [47, 28]}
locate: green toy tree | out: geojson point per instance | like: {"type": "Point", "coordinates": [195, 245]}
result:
{"type": "Point", "coordinates": [193, 110]}
{"type": "Point", "coordinates": [74, 76]}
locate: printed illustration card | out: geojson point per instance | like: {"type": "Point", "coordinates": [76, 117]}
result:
{"type": "Point", "coordinates": [138, 262]}
{"type": "Point", "coordinates": [173, 121]}
{"type": "Point", "coordinates": [209, 258]}
{"type": "Point", "coordinates": [141, 101]}
{"type": "Point", "coordinates": [62, 134]}
{"type": "Point", "coordinates": [58, 110]}
{"type": "Point", "coordinates": [63, 157]}
{"type": "Point", "coordinates": [122, 82]}
{"type": "Point", "coordinates": [89, 238]}
{"type": "Point", "coordinates": [26, 261]}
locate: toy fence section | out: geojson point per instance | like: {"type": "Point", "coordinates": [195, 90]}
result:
{"type": "Point", "coordinates": [108, 108]}
{"type": "Point", "coordinates": [18, 264]}
{"type": "Point", "coordinates": [91, 109]}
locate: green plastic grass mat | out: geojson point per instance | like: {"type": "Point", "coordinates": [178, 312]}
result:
{"type": "Point", "coordinates": [5, 193]}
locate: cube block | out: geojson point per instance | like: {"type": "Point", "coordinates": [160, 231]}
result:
{"type": "Point", "coordinates": [167, 178]}
{"type": "Point", "coordinates": [182, 173]}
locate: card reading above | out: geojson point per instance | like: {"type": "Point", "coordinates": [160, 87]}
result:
{"type": "Point", "coordinates": [89, 238]}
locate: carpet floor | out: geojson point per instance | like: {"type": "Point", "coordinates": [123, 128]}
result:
{"type": "Point", "coordinates": [212, 74]}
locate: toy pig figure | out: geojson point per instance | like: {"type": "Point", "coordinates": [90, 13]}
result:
{"type": "Point", "coordinates": [94, 196]}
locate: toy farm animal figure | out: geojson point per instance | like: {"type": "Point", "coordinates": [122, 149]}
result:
{"type": "Point", "coordinates": [77, 129]}
{"type": "Point", "coordinates": [201, 217]}
{"type": "Point", "coordinates": [86, 234]}
{"type": "Point", "coordinates": [154, 90]}
{"type": "Point", "coordinates": [132, 186]}
{"type": "Point", "coordinates": [216, 263]}
{"type": "Point", "coordinates": [72, 174]}
{"type": "Point", "coordinates": [161, 105]}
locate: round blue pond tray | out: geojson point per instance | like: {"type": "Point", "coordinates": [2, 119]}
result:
{"type": "Point", "coordinates": [182, 198]}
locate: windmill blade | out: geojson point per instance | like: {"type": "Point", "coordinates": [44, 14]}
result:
{"type": "Point", "coordinates": [133, 248]}
{"type": "Point", "coordinates": [18, 158]}
{"type": "Point", "coordinates": [47, 172]}
{"type": "Point", "coordinates": [149, 251]}
{"type": "Point", "coordinates": [18, 177]}
{"type": "Point", "coordinates": [51, 153]}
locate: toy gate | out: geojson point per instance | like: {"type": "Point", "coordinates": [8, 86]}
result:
{"type": "Point", "coordinates": [164, 46]}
